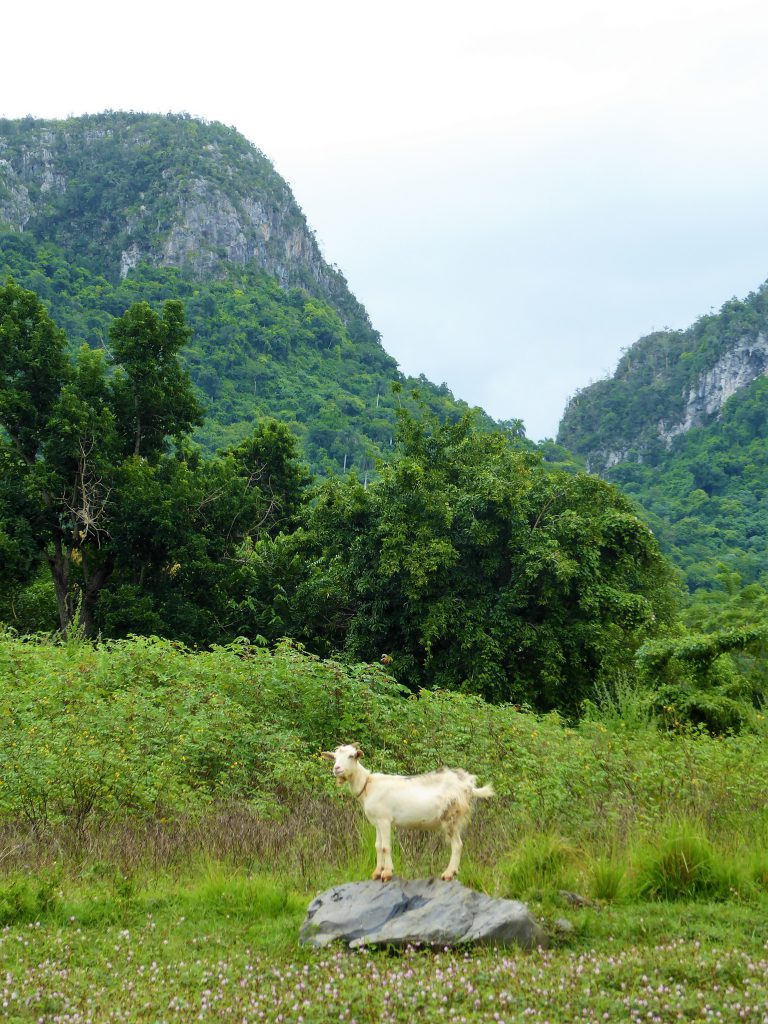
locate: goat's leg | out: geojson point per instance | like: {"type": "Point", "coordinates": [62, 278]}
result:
{"type": "Point", "coordinates": [385, 832]}
{"type": "Point", "coordinates": [454, 837]}
{"type": "Point", "coordinates": [379, 855]}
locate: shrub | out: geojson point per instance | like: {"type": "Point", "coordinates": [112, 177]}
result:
{"type": "Point", "coordinates": [684, 866]}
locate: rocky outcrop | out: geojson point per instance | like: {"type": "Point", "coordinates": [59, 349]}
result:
{"type": "Point", "coordinates": [425, 912]}
{"type": "Point", "coordinates": [668, 384]}
{"type": "Point", "coordinates": [160, 190]}
{"type": "Point", "coordinates": [600, 461]}
{"type": "Point", "coordinates": [210, 227]}
{"type": "Point", "coordinates": [741, 364]}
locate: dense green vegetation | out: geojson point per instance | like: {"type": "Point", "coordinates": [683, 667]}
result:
{"type": "Point", "coordinates": [166, 818]}
{"type": "Point", "coordinates": [470, 563]}
{"type": "Point", "coordinates": [88, 736]}
{"type": "Point", "coordinates": [474, 565]}
{"type": "Point", "coordinates": [703, 491]}
{"type": "Point", "coordinates": [706, 499]}
{"type": "Point", "coordinates": [254, 350]}
{"type": "Point", "coordinates": [652, 383]}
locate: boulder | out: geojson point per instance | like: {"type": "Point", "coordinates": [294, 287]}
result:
{"type": "Point", "coordinates": [426, 912]}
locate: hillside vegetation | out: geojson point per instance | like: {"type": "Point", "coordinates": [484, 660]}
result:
{"type": "Point", "coordinates": [660, 385]}
{"type": "Point", "coordinates": [681, 428]}
{"type": "Point", "coordinates": [255, 350]}
{"type": "Point", "coordinates": [101, 211]}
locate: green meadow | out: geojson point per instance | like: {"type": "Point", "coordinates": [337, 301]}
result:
{"type": "Point", "coordinates": [166, 818]}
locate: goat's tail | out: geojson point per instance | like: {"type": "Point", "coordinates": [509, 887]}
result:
{"type": "Point", "coordinates": [483, 792]}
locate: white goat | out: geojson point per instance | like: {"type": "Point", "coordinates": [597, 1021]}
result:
{"type": "Point", "coordinates": [438, 800]}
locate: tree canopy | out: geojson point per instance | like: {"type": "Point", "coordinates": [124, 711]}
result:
{"type": "Point", "coordinates": [474, 566]}
{"type": "Point", "coordinates": [78, 431]}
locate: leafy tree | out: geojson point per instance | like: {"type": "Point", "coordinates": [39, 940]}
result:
{"type": "Point", "coordinates": [695, 680]}
{"type": "Point", "coordinates": [150, 392]}
{"type": "Point", "coordinates": [76, 431]}
{"type": "Point", "coordinates": [474, 567]}
{"type": "Point", "coordinates": [186, 533]}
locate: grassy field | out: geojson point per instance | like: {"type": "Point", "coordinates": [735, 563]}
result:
{"type": "Point", "coordinates": [165, 819]}
{"type": "Point", "coordinates": [220, 944]}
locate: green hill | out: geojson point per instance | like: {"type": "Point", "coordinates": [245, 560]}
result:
{"type": "Point", "coordinates": [681, 427]}
{"type": "Point", "coordinates": [98, 212]}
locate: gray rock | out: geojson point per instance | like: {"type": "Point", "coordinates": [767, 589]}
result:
{"type": "Point", "coordinates": [429, 912]}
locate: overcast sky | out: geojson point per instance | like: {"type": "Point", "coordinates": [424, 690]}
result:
{"type": "Point", "coordinates": [515, 191]}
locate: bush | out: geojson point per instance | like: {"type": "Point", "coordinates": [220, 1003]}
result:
{"type": "Point", "coordinates": [684, 866]}
{"type": "Point", "coordinates": [145, 729]}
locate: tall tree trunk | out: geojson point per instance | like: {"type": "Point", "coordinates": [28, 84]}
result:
{"type": "Point", "coordinates": [94, 584]}
{"type": "Point", "coordinates": [59, 565]}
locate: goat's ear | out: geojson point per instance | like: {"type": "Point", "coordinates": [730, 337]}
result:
{"type": "Point", "coordinates": [359, 753]}
{"type": "Point", "coordinates": [328, 755]}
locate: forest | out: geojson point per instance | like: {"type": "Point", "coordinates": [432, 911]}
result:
{"type": "Point", "coordinates": [253, 350]}
{"type": "Point", "coordinates": [468, 561]}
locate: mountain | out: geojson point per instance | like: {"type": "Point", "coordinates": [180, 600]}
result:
{"type": "Point", "coordinates": [682, 427]}
{"type": "Point", "coordinates": [116, 190]}
{"type": "Point", "coordinates": [100, 211]}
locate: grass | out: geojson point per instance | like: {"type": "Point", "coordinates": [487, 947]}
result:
{"type": "Point", "coordinates": [219, 944]}
{"type": "Point", "coordinates": [188, 937]}
{"type": "Point", "coordinates": [179, 894]}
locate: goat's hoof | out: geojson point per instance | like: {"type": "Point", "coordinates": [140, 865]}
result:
{"type": "Point", "coordinates": [448, 876]}
{"type": "Point", "coordinates": [386, 876]}
{"type": "Point", "coordinates": [376, 875]}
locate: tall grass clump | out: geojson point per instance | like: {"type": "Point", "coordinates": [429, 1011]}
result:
{"type": "Point", "coordinates": [684, 865]}
{"type": "Point", "coordinates": [539, 864]}
{"type": "Point", "coordinates": [607, 878]}
{"type": "Point", "coordinates": [24, 899]}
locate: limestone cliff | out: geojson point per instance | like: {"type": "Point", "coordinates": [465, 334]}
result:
{"type": "Point", "coordinates": [120, 189]}
{"type": "Point", "coordinates": [668, 383]}
{"type": "Point", "coordinates": [737, 367]}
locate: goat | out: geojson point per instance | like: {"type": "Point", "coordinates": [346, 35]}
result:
{"type": "Point", "coordinates": [438, 800]}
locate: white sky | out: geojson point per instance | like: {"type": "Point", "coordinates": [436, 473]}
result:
{"type": "Point", "coordinates": [515, 191]}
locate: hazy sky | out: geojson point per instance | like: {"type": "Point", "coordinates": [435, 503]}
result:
{"type": "Point", "coordinates": [515, 191]}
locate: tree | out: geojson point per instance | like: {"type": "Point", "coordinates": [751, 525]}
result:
{"type": "Point", "coordinates": [150, 391]}
{"type": "Point", "coordinates": [76, 430]}
{"type": "Point", "coordinates": [188, 533]}
{"type": "Point", "coordinates": [696, 678]}
{"type": "Point", "coordinates": [475, 567]}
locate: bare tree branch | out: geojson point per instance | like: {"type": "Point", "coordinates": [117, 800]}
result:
{"type": "Point", "coordinates": [87, 502]}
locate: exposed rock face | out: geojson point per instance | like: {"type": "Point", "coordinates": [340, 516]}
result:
{"type": "Point", "coordinates": [209, 227]}
{"type": "Point", "coordinates": [735, 369]}
{"type": "Point", "coordinates": [15, 204]}
{"type": "Point", "coordinates": [599, 462]}
{"type": "Point", "coordinates": [424, 911]}
{"type": "Point", "coordinates": [161, 190]}
{"type": "Point", "coordinates": [654, 397]}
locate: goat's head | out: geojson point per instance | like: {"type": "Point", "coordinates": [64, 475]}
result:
{"type": "Point", "coordinates": [344, 759]}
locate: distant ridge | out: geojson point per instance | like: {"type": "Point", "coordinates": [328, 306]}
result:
{"type": "Point", "coordinates": [682, 427]}
{"type": "Point", "coordinates": [119, 189]}
{"type": "Point", "coordinates": [667, 383]}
